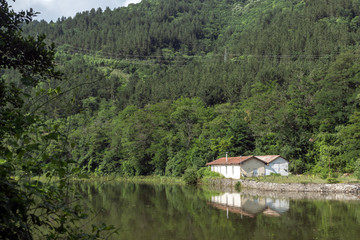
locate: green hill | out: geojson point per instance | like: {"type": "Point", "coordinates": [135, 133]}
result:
{"type": "Point", "coordinates": [255, 27]}
{"type": "Point", "coordinates": [165, 85]}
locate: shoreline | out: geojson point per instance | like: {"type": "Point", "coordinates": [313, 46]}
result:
{"type": "Point", "coordinates": [226, 184]}
{"type": "Point", "coordinates": [287, 187]}
{"type": "Point", "coordinates": [320, 196]}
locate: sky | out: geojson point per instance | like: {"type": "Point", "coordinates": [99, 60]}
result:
{"type": "Point", "coordinates": [54, 9]}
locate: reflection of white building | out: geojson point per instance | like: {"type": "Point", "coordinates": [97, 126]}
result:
{"type": "Point", "coordinates": [278, 205]}
{"type": "Point", "coordinates": [250, 206]}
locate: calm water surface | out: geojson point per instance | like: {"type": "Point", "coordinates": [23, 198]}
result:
{"type": "Point", "coordinates": [144, 212]}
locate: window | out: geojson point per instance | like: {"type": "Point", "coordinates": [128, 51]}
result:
{"type": "Point", "coordinates": [255, 173]}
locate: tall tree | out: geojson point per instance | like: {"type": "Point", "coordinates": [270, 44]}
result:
{"type": "Point", "coordinates": [25, 203]}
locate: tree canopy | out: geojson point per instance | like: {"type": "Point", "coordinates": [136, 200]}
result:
{"type": "Point", "coordinates": [164, 86]}
{"type": "Point", "coordinates": [29, 146]}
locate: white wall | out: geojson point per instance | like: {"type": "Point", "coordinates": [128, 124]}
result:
{"type": "Point", "coordinates": [279, 165]}
{"type": "Point", "coordinates": [279, 205]}
{"type": "Point", "coordinates": [229, 171]}
{"type": "Point", "coordinates": [228, 199]}
{"type": "Point", "coordinates": [251, 165]}
{"type": "Point", "coordinates": [248, 202]}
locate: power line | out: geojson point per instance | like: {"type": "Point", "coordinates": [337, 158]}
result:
{"type": "Point", "coordinates": [151, 58]}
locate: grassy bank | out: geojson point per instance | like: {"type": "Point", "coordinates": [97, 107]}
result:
{"type": "Point", "coordinates": [204, 177]}
{"type": "Point", "coordinates": [304, 179]}
{"type": "Point", "coordinates": [136, 179]}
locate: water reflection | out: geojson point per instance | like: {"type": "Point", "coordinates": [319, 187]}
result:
{"type": "Point", "coordinates": [152, 212]}
{"type": "Point", "coordinates": [250, 206]}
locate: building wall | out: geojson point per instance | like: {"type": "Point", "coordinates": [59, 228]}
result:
{"type": "Point", "coordinates": [252, 204]}
{"type": "Point", "coordinates": [229, 171]}
{"type": "Point", "coordinates": [250, 167]}
{"type": "Point", "coordinates": [279, 165]}
{"type": "Point", "coordinates": [246, 169]}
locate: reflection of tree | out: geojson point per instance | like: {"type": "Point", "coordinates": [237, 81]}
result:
{"type": "Point", "coordinates": [181, 212]}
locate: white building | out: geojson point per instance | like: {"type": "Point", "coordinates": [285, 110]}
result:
{"type": "Point", "coordinates": [249, 166]}
{"type": "Point", "coordinates": [275, 164]}
{"type": "Point", "coordinates": [236, 167]}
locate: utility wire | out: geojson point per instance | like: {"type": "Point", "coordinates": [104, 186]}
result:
{"type": "Point", "coordinates": [67, 48]}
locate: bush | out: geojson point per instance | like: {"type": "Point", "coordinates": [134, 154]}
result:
{"type": "Point", "coordinates": [190, 176]}
{"type": "Point", "coordinates": [297, 166]}
{"type": "Point", "coordinates": [238, 186]}
{"type": "Point", "coordinates": [332, 180]}
{"type": "Point", "coordinates": [205, 172]}
{"type": "Point", "coordinates": [334, 174]}
{"type": "Point", "coordinates": [324, 174]}
{"type": "Point", "coordinates": [357, 169]}
{"type": "Point", "coordinates": [275, 174]}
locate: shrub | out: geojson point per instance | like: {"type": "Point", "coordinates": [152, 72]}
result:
{"type": "Point", "coordinates": [357, 169]}
{"type": "Point", "coordinates": [190, 176]}
{"type": "Point", "coordinates": [238, 186]}
{"type": "Point", "coordinates": [297, 166]}
{"type": "Point", "coordinates": [324, 174]}
{"type": "Point", "coordinates": [334, 174]}
{"type": "Point", "coordinates": [205, 172]}
{"type": "Point", "coordinates": [275, 174]}
{"type": "Point", "coordinates": [332, 180]}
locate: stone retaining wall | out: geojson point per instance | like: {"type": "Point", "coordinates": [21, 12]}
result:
{"type": "Point", "coordinates": [290, 187]}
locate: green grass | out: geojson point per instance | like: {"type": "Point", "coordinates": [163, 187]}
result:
{"type": "Point", "coordinates": [138, 179]}
{"type": "Point", "coordinates": [305, 178]}
{"type": "Point", "coordinates": [205, 175]}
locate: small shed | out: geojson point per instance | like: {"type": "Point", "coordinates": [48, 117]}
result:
{"type": "Point", "coordinates": [236, 167]}
{"type": "Point", "coordinates": [275, 164]}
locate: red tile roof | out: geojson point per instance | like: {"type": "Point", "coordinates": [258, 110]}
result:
{"type": "Point", "coordinates": [232, 160]}
{"type": "Point", "coordinates": [271, 212]}
{"type": "Point", "coordinates": [232, 209]}
{"type": "Point", "coordinates": [268, 158]}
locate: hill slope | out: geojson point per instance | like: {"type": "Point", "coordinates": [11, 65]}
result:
{"type": "Point", "coordinates": [258, 76]}
{"type": "Point", "coordinates": [256, 27]}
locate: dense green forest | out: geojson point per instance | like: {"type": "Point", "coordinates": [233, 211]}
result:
{"type": "Point", "coordinates": [31, 207]}
{"type": "Point", "coordinates": [167, 85]}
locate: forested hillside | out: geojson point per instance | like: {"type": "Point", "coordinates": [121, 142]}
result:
{"type": "Point", "coordinates": [166, 85]}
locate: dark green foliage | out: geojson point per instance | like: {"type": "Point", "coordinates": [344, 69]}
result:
{"type": "Point", "coordinates": [238, 186]}
{"type": "Point", "coordinates": [16, 136]}
{"type": "Point", "coordinates": [205, 172]}
{"type": "Point", "coordinates": [143, 29]}
{"type": "Point", "coordinates": [30, 146]}
{"type": "Point", "coordinates": [357, 169]}
{"type": "Point", "coordinates": [164, 138]}
{"type": "Point", "coordinates": [162, 86]}
{"type": "Point", "coordinates": [190, 176]}
{"type": "Point", "coordinates": [332, 180]}
{"type": "Point", "coordinates": [297, 166]}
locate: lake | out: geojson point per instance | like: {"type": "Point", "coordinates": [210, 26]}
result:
{"type": "Point", "coordinates": [144, 211]}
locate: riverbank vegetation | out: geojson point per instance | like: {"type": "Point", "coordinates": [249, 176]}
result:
{"type": "Point", "coordinates": [192, 177]}
{"type": "Point", "coordinates": [155, 179]}
{"type": "Point", "coordinates": [307, 178]}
